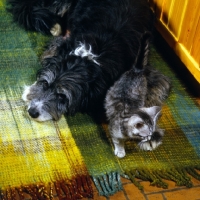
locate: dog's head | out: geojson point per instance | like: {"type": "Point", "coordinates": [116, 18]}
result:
{"type": "Point", "coordinates": [45, 103]}
{"type": "Point", "coordinates": [63, 84]}
{"type": "Point", "coordinates": [60, 88]}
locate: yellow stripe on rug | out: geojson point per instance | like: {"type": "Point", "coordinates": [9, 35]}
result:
{"type": "Point", "coordinates": [35, 153]}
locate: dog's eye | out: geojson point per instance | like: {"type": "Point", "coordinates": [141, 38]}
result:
{"type": "Point", "coordinates": [44, 84]}
{"type": "Point", "coordinates": [61, 98]}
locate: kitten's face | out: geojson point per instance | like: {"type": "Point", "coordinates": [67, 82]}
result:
{"type": "Point", "coordinates": [141, 125]}
{"type": "Point", "coordinates": [139, 129]}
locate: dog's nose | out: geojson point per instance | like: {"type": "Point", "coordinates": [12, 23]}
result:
{"type": "Point", "coordinates": [33, 112]}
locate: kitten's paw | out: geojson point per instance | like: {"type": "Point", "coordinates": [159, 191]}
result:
{"type": "Point", "coordinates": [56, 30]}
{"type": "Point", "coordinates": [149, 145]}
{"type": "Point", "coordinates": [120, 153]}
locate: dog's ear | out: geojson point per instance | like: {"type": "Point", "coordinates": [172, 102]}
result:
{"type": "Point", "coordinates": [64, 95]}
{"type": "Point", "coordinates": [70, 103]}
{"type": "Point", "coordinates": [142, 58]}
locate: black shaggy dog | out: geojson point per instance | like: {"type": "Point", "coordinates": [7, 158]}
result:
{"type": "Point", "coordinates": [78, 70]}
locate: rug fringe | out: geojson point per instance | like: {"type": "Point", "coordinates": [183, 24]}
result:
{"type": "Point", "coordinates": [193, 172]}
{"type": "Point", "coordinates": [80, 188]}
{"type": "Point", "coordinates": [156, 177]}
{"type": "Point", "coordinates": [108, 184]}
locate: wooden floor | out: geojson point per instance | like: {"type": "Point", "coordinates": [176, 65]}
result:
{"type": "Point", "coordinates": [131, 192]}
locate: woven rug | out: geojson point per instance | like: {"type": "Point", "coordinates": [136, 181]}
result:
{"type": "Point", "coordinates": [66, 156]}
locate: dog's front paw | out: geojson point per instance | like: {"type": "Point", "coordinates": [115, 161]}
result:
{"type": "Point", "coordinates": [56, 30]}
{"type": "Point", "coordinates": [120, 153]}
{"type": "Point", "coordinates": [149, 145]}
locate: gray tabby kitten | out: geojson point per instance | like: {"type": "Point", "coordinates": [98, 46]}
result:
{"type": "Point", "coordinates": [133, 104]}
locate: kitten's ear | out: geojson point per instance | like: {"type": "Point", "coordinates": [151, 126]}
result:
{"type": "Point", "coordinates": [154, 112]}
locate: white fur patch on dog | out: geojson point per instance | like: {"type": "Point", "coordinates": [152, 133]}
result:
{"type": "Point", "coordinates": [83, 52]}
{"type": "Point", "coordinates": [56, 30]}
{"type": "Point", "coordinates": [43, 115]}
{"type": "Point", "coordinates": [25, 93]}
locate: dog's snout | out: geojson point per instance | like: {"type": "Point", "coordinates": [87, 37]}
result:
{"type": "Point", "coordinates": [33, 112]}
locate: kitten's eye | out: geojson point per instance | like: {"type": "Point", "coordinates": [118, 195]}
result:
{"type": "Point", "coordinates": [61, 97]}
{"type": "Point", "coordinates": [139, 125]}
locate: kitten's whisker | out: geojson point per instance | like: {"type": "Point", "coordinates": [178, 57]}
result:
{"type": "Point", "coordinates": [137, 146]}
{"type": "Point", "coordinates": [144, 139]}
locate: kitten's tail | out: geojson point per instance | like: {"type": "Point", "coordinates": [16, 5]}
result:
{"type": "Point", "coordinates": [142, 59]}
{"type": "Point", "coordinates": [32, 15]}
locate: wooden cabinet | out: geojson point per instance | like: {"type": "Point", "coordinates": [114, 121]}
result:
{"type": "Point", "coordinates": [178, 21]}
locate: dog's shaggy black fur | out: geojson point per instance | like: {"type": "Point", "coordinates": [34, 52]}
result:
{"type": "Point", "coordinates": [78, 70]}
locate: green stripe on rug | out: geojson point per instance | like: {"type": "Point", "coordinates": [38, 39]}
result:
{"type": "Point", "coordinates": [97, 152]}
